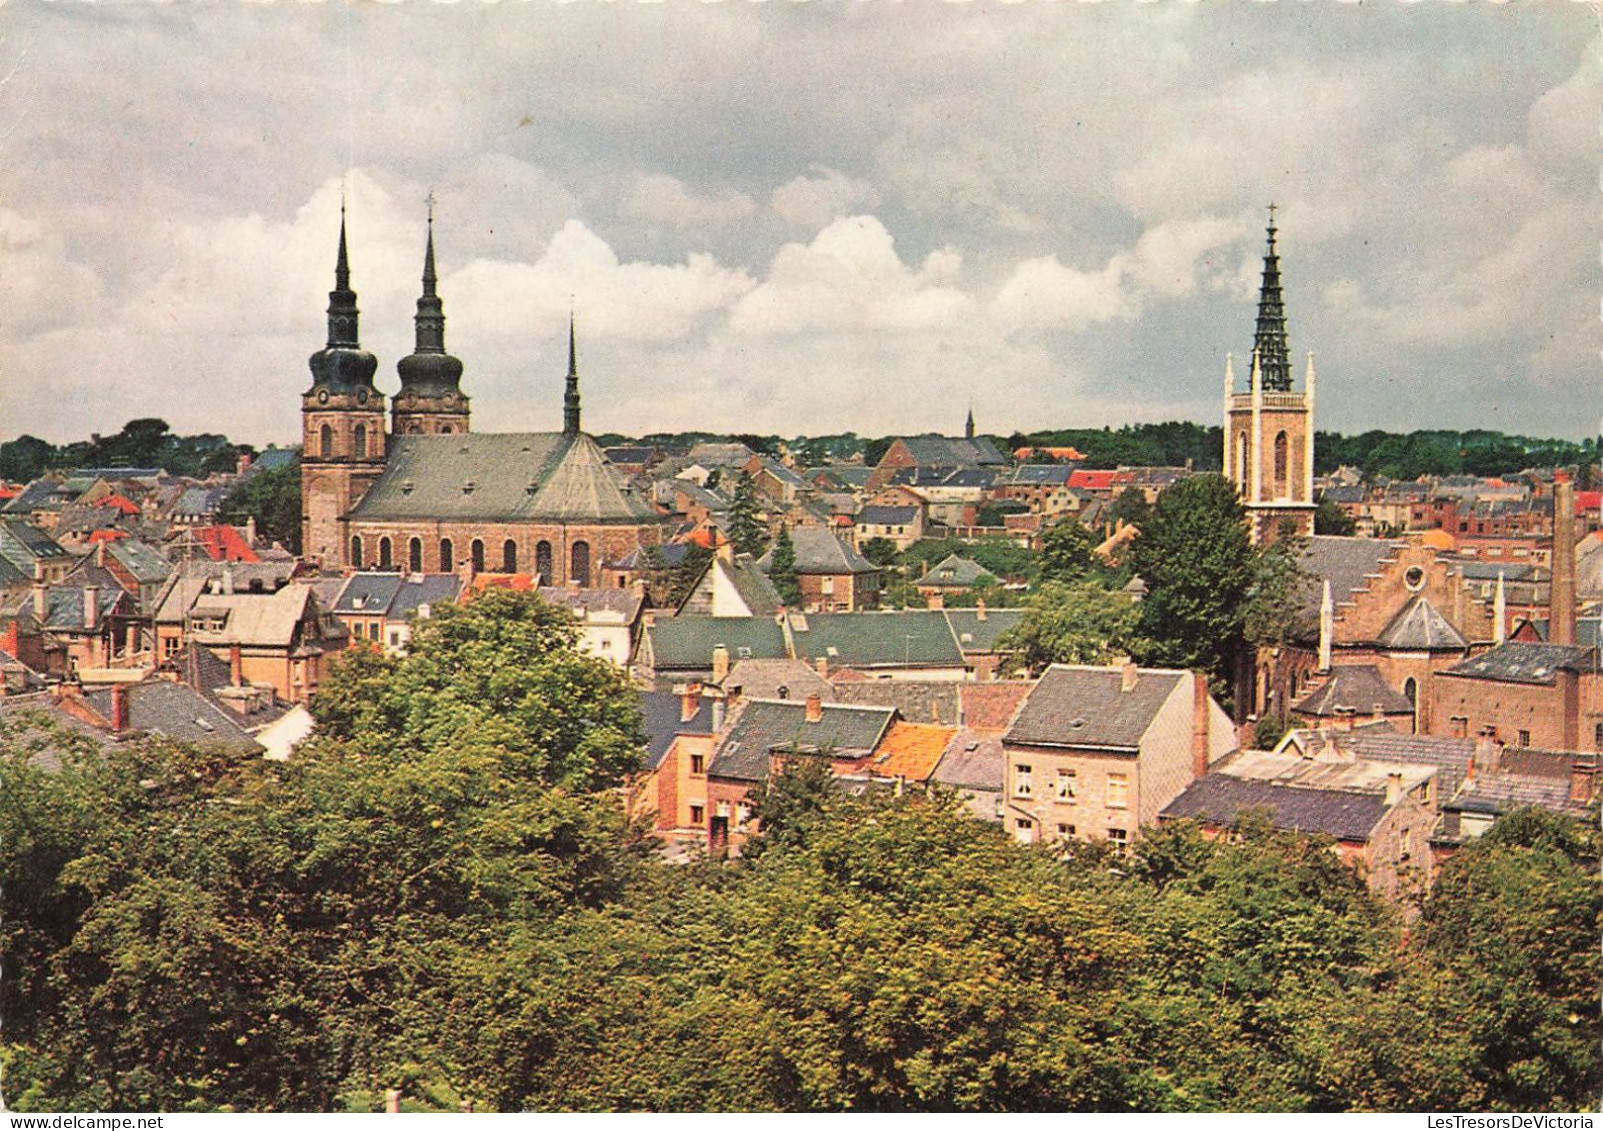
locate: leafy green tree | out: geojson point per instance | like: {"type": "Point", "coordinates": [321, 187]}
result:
{"type": "Point", "coordinates": [1075, 623]}
{"type": "Point", "coordinates": [1068, 552]}
{"type": "Point", "coordinates": [26, 458]}
{"type": "Point", "coordinates": [746, 528]}
{"type": "Point", "coordinates": [1130, 507]}
{"type": "Point", "coordinates": [1272, 613]}
{"type": "Point", "coordinates": [273, 499]}
{"type": "Point", "coordinates": [1198, 565]}
{"type": "Point", "coordinates": [881, 551]}
{"type": "Point", "coordinates": [1331, 519]}
{"type": "Point", "coordinates": [782, 568]}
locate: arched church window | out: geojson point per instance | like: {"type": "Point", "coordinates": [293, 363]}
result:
{"type": "Point", "coordinates": [414, 555]}
{"type": "Point", "coordinates": [356, 551]}
{"type": "Point", "coordinates": [1282, 462]}
{"type": "Point", "coordinates": [477, 550]}
{"type": "Point", "coordinates": [542, 562]}
{"type": "Point", "coordinates": [325, 438]}
{"type": "Point", "coordinates": [579, 567]}
{"type": "Point", "coordinates": [386, 554]}
{"type": "Point", "coordinates": [509, 556]}
{"type": "Point", "coordinates": [359, 444]}
{"type": "Point", "coordinates": [1411, 693]}
{"type": "Point", "coordinates": [447, 556]}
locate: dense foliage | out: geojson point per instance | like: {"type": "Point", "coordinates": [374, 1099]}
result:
{"type": "Point", "coordinates": [273, 499]}
{"type": "Point", "coordinates": [438, 894]}
{"type": "Point", "coordinates": [147, 442]}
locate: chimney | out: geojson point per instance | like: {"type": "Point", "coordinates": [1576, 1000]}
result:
{"type": "Point", "coordinates": [236, 666]}
{"type": "Point", "coordinates": [250, 530]}
{"type": "Point", "coordinates": [815, 709]}
{"type": "Point", "coordinates": [937, 601]}
{"type": "Point", "coordinates": [1128, 674]}
{"type": "Point", "coordinates": [1394, 787]}
{"type": "Point", "coordinates": [1500, 611]}
{"type": "Point", "coordinates": [1199, 725]}
{"type": "Point", "coordinates": [689, 702]}
{"type": "Point", "coordinates": [979, 609]}
{"type": "Point", "coordinates": [41, 596]}
{"type": "Point", "coordinates": [1582, 779]}
{"type": "Point", "coordinates": [119, 708]}
{"type": "Point", "coordinates": [228, 580]}
{"type": "Point", "coordinates": [100, 554]}
{"type": "Point", "coordinates": [91, 607]}
{"type": "Point", "coordinates": [1561, 599]}
{"type": "Point", "coordinates": [720, 664]}
{"type": "Point", "coordinates": [1488, 751]}
{"type": "Point", "coordinates": [1567, 682]}
{"type": "Point", "coordinates": [822, 664]}
{"type": "Point", "coordinates": [717, 715]}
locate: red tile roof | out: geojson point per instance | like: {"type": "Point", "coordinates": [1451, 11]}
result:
{"type": "Point", "coordinates": [224, 544]}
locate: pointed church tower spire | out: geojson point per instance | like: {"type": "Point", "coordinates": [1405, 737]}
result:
{"type": "Point", "coordinates": [430, 399]}
{"type": "Point", "coordinates": [1270, 341]}
{"type": "Point", "coordinates": [342, 313]}
{"type": "Point", "coordinates": [570, 397]}
{"type": "Point", "coordinates": [968, 426]}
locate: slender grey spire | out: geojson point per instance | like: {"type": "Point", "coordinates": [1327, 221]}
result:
{"type": "Point", "coordinates": [1270, 340]}
{"type": "Point", "coordinates": [570, 397]}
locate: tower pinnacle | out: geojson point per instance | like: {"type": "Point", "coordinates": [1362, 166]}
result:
{"type": "Point", "coordinates": [342, 313]}
{"type": "Point", "coordinates": [570, 397]}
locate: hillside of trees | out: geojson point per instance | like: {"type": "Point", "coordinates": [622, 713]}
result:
{"type": "Point", "coordinates": [439, 894]}
{"type": "Point", "coordinates": [147, 442]}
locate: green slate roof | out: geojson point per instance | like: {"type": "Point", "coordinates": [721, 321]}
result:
{"type": "Point", "coordinates": [686, 643]}
{"type": "Point", "coordinates": [505, 477]}
{"type": "Point", "coordinates": [871, 639]}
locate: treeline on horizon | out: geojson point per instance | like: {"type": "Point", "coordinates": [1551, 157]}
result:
{"type": "Point", "coordinates": [150, 442]}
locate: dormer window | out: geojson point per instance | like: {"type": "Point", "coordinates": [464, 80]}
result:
{"type": "Point", "coordinates": [468, 487]}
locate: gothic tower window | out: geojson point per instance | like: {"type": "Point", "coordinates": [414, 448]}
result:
{"type": "Point", "coordinates": [356, 551]}
{"type": "Point", "coordinates": [326, 441]}
{"type": "Point", "coordinates": [509, 556]}
{"type": "Point", "coordinates": [414, 555]}
{"type": "Point", "coordinates": [542, 562]}
{"type": "Point", "coordinates": [386, 554]}
{"type": "Point", "coordinates": [447, 556]}
{"type": "Point", "coordinates": [579, 569]}
{"type": "Point", "coordinates": [1241, 460]}
{"type": "Point", "coordinates": [1411, 693]}
{"type": "Point", "coordinates": [477, 550]}
{"type": "Point", "coordinates": [359, 444]}
{"type": "Point", "coordinates": [1282, 463]}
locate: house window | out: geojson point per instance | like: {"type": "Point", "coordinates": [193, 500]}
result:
{"type": "Point", "coordinates": [1022, 785]}
{"type": "Point", "coordinates": [1066, 785]}
{"type": "Point", "coordinates": [828, 586]}
{"type": "Point", "coordinates": [1524, 738]}
{"type": "Point", "coordinates": [742, 816]}
{"type": "Point", "coordinates": [395, 638]}
{"type": "Point", "coordinates": [1119, 838]}
{"type": "Point", "coordinates": [1118, 791]}
{"type": "Point", "coordinates": [698, 763]}
{"type": "Point", "coordinates": [447, 556]}
{"type": "Point", "coordinates": [698, 814]}
{"type": "Point", "coordinates": [326, 440]}
{"type": "Point", "coordinates": [1065, 830]}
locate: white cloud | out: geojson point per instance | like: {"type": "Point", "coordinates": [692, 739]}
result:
{"type": "Point", "coordinates": [41, 287]}
{"type": "Point", "coordinates": [820, 196]}
{"type": "Point", "coordinates": [663, 201]}
{"type": "Point", "coordinates": [851, 277]}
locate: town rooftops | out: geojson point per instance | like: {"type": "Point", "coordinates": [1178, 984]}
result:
{"type": "Point", "coordinates": [766, 727]}
{"type": "Point", "coordinates": [865, 640]}
{"type": "Point", "coordinates": [1355, 689]}
{"type": "Point", "coordinates": [1349, 564]}
{"type": "Point", "coordinates": [953, 572]}
{"type": "Point", "coordinates": [978, 631]}
{"type": "Point", "coordinates": [820, 552]}
{"type": "Point", "coordinates": [1087, 707]}
{"type": "Point", "coordinates": [514, 476]}
{"type": "Point", "coordinates": [777, 679]}
{"type": "Point", "coordinates": [910, 750]}
{"type": "Point", "coordinates": [394, 595]}
{"type": "Point", "coordinates": [175, 711]}
{"type": "Point", "coordinates": [663, 716]}
{"type": "Point", "coordinates": [973, 760]}
{"type": "Point", "coordinates": [1419, 627]}
{"type": "Point", "coordinates": [1520, 662]}
{"type": "Point", "coordinates": [887, 516]}
{"type": "Point", "coordinates": [687, 643]}
{"type": "Point", "coordinates": [1220, 799]}
{"type": "Point", "coordinates": [931, 450]}
{"type": "Point", "coordinates": [596, 606]}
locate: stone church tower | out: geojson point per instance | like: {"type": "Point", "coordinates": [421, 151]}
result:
{"type": "Point", "coordinates": [1269, 429]}
{"type": "Point", "coordinates": [430, 399]}
{"type": "Point", "coordinates": [342, 417]}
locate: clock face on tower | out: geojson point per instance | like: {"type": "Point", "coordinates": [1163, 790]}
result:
{"type": "Point", "coordinates": [322, 396]}
{"type": "Point", "coordinates": [361, 396]}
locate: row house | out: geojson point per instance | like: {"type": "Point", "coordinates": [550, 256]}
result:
{"type": "Point", "coordinates": [380, 607]}
{"type": "Point", "coordinates": [933, 451]}
{"type": "Point", "coordinates": [831, 575]}
{"type": "Point", "coordinates": [901, 526]}
{"type": "Point", "coordinates": [279, 638]}
{"type": "Point", "coordinates": [1096, 753]}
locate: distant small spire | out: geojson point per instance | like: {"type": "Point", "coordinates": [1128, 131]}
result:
{"type": "Point", "coordinates": [342, 312]}
{"type": "Point", "coordinates": [968, 427]}
{"type": "Point", "coordinates": [570, 397]}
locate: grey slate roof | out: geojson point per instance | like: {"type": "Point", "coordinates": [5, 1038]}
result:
{"type": "Point", "coordinates": [1516, 662]}
{"type": "Point", "coordinates": [1220, 799]}
{"type": "Point", "coordinates": [22, 544]}
{"type": "Point", "coordinates": [918, 637]}
{"type": "Point", "coordinates": [954, 572]}
{"type": "Point", "coordinates": [1419, 627]}
{"type": "Point", "coordinates": [502, 477]}
{"type": "Point", "coordinates": [767, 726]}
{"type": "Point", "coordinates": [931, 450]}
{"type": "Point", "coordinates": [1358, 688]}
{"type": "Point", "coordinates": [663, 715]}
{"type": "Point", "coordinates": [887, 516]}
{"type": "Point", "coordinates": [778, 679]}
{"type": "Point", "coordinates": [686, 643]}
{"type": "Point", "coordinates": [178, 712]}
{"type": "Point", "coordinates": [976, 635]}
{"type": "Point", "coordinates": [142, 560]}
{"type": "Point", "coordinates": [916, 700]}
{"type": "Point", "coordinates": [394, 595]}
{"type": "Point", "coordinates": [1083, 707]}
{"type": "Point", "coordinates": [818, 551]}
{"type": "Point", "coordinates": [972, 761]}
{"type": "Point", "coordinates": [1348, 563]}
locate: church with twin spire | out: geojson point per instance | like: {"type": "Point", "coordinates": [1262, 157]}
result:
{"type": "Point", "coordinates": [428, 494]}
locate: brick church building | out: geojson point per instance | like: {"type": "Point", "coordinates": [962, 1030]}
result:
{"type": "Point", "coordinates": [431, 495]}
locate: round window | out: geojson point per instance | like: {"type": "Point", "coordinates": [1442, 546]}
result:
{"type": "Point", "coordinates": [1414, 579]}
{"type": "Point", "coordinates": [322, 396]}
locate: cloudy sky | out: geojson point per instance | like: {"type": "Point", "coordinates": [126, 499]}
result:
{"type": "Point", "coordinates": [802, 217]}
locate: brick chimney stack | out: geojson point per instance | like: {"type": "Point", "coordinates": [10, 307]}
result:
{"type": "Point", "coordinates": [1561, 607]}
{"type": "Point", "coordinates": [119, 708]}
{"type": "Point", "coordinates": [1199, 725]}
{"type": "Point", "coordinates": [91, 607]}
{"type": "Point", "coordinates": [720, 664]}
{"type": "Point", "coordinates": [236, 666]}
{"type": "Point", "coordinates": [815, 709]}
{"type": "Point", "coordinates": [1128, 674]}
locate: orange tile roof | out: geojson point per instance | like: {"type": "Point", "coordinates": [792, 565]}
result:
{"type": "Point", "coordinates": [910, 750]}
{"type": "Point", "coordinates": [992, 705]}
